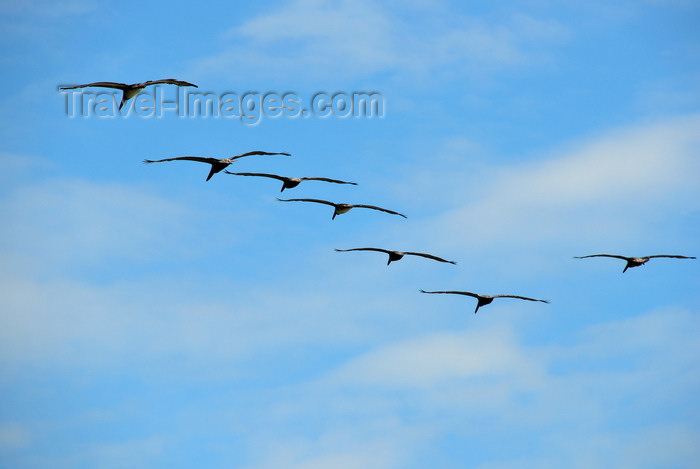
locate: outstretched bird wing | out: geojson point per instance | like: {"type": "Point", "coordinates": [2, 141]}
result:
{"type": "Point", "coordinates": [102, 84]}
{"type": "Point", "coordinates": [273, 176]}
{"type": "Point", "coordinates": [429, 256]}
{"type": "Point", "coordinates": [673, 257]}
{"type": "Point", "coordinates": [327, 180]}
{"type": "Point", "coordinates": [201, 159]}
{"type": "Point", "coordinates": [520, 298]}
{"type": "Point", "coordinates": [318, 201]}
{"type": "Point", "coordinates": [256, 152]}
{"type": "Point", "coordinates": [285, 178]}
{"type": "Point", "coordinates": [473, 295]}
{"type": "Point", "coordinates": [125, 86]}
{"type": "Point", "coordinates": [603, 255]}
{"type": "Point", "coordinates": [373, 207]}
{"type": "Point", "coordinates": [167, 81]}
{"type": "Point", "coordinates": [366, 249]}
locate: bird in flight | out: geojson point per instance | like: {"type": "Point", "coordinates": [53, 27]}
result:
{"type": "Point", "coordinates": [342, 208]}
{"type": "Point", "coordinates": [289, 182]}
{"type": "Point", "coordinates": [396, 255]}
{"type": "Point", "coordinates": [129, 91]}
{"type": "Point", "coordinates": [483, 300]}
{"type": "Point", "coordinates": [216, 164]}
{"type": "Point", "coordinates": [634, 261]}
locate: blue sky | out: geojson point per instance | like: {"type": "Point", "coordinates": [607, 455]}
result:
{"type": "Point", "coordinates": [150, 319]}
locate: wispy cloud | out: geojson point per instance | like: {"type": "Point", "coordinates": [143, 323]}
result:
{"type": "Point", "coordinates": [321, 39]}
{"type": "Point", "coordinates": [27, 22]}
{"type": "Point", "coordinates": [133, 453]}
{"type": "Point", "coordinates": [86, 223]}
{"type": "Point", "coordinates": [377, 445]}
{"type": "Point", "coordinates": [490, 386]}
{"type": "Point", "coordinates": [602, 190]}
{"type": "Point", "coordinates": [437, 360]}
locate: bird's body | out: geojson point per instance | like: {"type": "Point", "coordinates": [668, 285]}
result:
{"type": "Point", "coordinates": [483, 300]}
{"type": "Point", "coordinates": [290, 182]}
{"type": "Point", "coordinates": [339, 208]}
{"type": "Point", "coordinates": [130, 90]}
{"type": "Point", "coordinates": [397, 255]}
{"type": "Point", "coordinates": [216, 164]}
{"type": "Point", "coordinates": [635, 261]}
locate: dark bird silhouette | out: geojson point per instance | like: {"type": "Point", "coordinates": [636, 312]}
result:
{"type": "Point", "coordinates": [396, 255]}
{"type": "Point", "coordinates": [634, 261]}
{"type": "Point", "coordinates": [129, 91]}
{"type": "Point", "coordinates": [483, 300]}
{"type": "Point", "coordinates": [216, 164]}
{"type": "Point", "coordinates": [342, 208]}
{"type": "Point", "coordinates": [289, 182]}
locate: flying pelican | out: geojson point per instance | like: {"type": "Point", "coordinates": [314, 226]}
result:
{"type": "Point", "coordinates": [289, 182]}
{"type": "Point", "coordinates": [216, 164]}
{"type": "Point", "coordinates": [483, 300]}
{"type": "Point", "coordinates": [342, 208]}
{"type": "Point", "coordinates": [396, 255]}
{"type": "Point", "coordinates": [129, 91]}
{"type": "Point", "coordinates": [634, 261]}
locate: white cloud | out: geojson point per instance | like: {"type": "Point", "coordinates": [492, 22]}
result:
{"type": "Point", "coordinates": [320, 39]}
{"type": "Point", "coordinates": [28, 22]}
{"type": "Point", "coordinates": [135, 453]}
{"type": "Point", "coordinates": [378, 445]}
{"type": "Point", "coordinates": [490, 386]}
{"type": "Point", "coordinates": [98, 273]}
{"type": "Point", "coordinates": [608, 190]}
{"type": "Point", "coordinates": [74, 219]}
{"type": "Point", "coordinates": [213, 325]}
{"type": "Point", "coordinates": [433, 360]}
